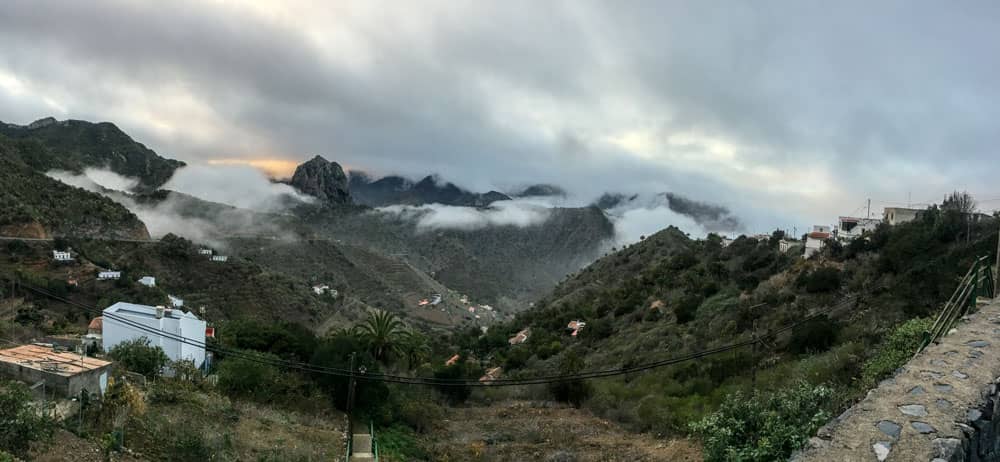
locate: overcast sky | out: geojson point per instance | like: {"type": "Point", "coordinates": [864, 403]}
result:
{"type": "Point", "coordinates": [789, 112]}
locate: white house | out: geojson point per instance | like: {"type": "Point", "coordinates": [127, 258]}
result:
{"type": "Point", "coordinates": [106, 275]}
{"type": "Point", "coordinates": [815, 241]}
{"type": "Point", "coordinates": [320, 289]}
{"type": "Point", "coordinates": [221, 258]}
{"type": "Point", "coordinates": [175, 302]}
{"type": "Point", "coordinates": [897, 215]}
{"type": "Point", "coordinates": [785, 245]}
{"type": "Point", "coordinates": [59, 255]}
{"type": "Point", "coordinates": [849, 228]}
{"type": "Point", "coordinates": [205, 251]}
{"type": "Point", "coordinates": [148, 281]}
{"type": "Point", "coordinates": [180, 334]}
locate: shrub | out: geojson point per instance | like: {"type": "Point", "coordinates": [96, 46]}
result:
{"type": "Point", "coordinates": [896, 351]}
{"type": "Point", "coordinates": [20, 422]}
{"type": "Point", "coordinates": [824, 279]}
{"type": "Point", "coordinates": [458, 371]}
{"type": "Point", "coordinates": [252, 379]}
{"type": "Point", "coordinates": [687, 308]}
{"type": "Point", "coordinates": [574, 391]}
{"type": "Point", "coordinates": [817, 335]}
{"type": "Point", "coordinates": [140, 356]}
{"type": "Point", "coordinates": [764, 428]}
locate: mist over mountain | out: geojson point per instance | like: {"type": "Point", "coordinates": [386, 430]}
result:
{"type": "Point", "coordinates": [393, 190]}
{"type": "Point", "coordinates": [74, 145]}
{"type": "Point", "coordinates": [695, 217]}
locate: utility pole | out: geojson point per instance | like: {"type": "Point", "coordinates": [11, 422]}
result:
{"type": "Point", "coordinates": [869, 208]}
{"type": "Point", "coordinates": [753, 337]}
{"type": "Point", "coordinates": [996, 274]}
{"type": "Point", "coordinates": [350, 402]}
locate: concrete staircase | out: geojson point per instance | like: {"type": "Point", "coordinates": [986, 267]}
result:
{"type": "Point", "coordinates": [362, 448]}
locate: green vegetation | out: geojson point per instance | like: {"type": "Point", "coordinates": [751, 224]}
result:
{"type": "Point", "coordinates": [764, 428]}
{"type": "Point", "coordinates": [34, 205]}
{"type": "Point", "coordinates": [670, 295]}
{"type": "Point", "coordinates": [75, 144]}
{"type": "Point", "coordinates": [901, 345]}
{"type": "Point", "coordinates": [140, 356]}
{"type": "Point", "coordinates": [21, 424]}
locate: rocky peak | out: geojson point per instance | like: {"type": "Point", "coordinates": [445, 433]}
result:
{"type": "Point", "coordinates": [42, 123]}
{"type": "Point", "coordinates": [322, 179]}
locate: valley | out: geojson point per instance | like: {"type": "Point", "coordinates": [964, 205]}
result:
{"type": "Point", "coordinates": [457, 325]}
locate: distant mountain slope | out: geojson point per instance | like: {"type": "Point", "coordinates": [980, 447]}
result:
{"type": "Point", "coordinates": [75, 144]}
{"type": "Point", "coordinates": [34, 205]}
{"type": "Point", "coordinates": [506, 265]}
{"type": "Point", "coordinates": [392, 190]}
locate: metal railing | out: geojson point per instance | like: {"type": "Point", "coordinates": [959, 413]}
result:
{"type": "Point", "coordinates": [977, 282]}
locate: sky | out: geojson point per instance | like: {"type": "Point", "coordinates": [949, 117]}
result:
{"type": "Point", "coordinates": [788, 112]}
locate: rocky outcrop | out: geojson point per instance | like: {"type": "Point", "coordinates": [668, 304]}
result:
{"type": "Point", "coordinates": [393, 189]}
{"type": "Point", "coordinates": [324, 180]}
{"type": "Point", "coordinates": [942, 406]}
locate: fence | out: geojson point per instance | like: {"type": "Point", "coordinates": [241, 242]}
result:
{"type": "Point", "coordinates": [977, 282]}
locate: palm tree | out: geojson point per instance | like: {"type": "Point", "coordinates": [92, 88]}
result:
{"type": "Point", "coordinates": [383, 332]}
{"type": "Point", "coordinates": [416, 348]}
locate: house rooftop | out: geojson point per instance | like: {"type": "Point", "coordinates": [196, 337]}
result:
{"type": "Point", "coordinates": [45, 359]}
{"type": "Point", "coordinates": [146, 311]}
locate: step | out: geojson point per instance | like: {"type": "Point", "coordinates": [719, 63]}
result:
{"type": "Point", "coordinates": [361, 444]}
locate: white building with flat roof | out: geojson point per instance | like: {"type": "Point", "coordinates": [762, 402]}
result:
{"type": "Point", "coordinates": [897, 215]}
{"type": "Point", "coordinates": [59, 255]}
{"type": "Point", "coordinates": [849, 228]}
{"type": "Point", "coordinates": [106, 275]}
{"type": "Point", "coordinates": [148, 281]}
{"type": "Point", "coordinates": [180, 334]}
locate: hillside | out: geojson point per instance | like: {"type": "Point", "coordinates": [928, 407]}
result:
{"type": "Point", "coordinates": [393, 189]}
{"type": "Point", "coordinates": [669, 296]}
{"type": "Point", "coordinates": [73, 145]}
{"type": "Point", "coordinates": [235, 289]}
{"type": "Point", "coordinates": [502, 265]}
{"type": "Point", "coordinates": [34, 205]}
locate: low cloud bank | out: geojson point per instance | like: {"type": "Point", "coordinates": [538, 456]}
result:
{"type": "Point", "coordinates": [503, 213]}
{"type": "Point", "coordinates": [241, 186]}
{"type": "Point", "coordinates": [182, 214]}
{"type": "Point", "coordinates": [641, 215]}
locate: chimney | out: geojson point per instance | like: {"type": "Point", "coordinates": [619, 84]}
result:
{"type": "Point", "coordinates": [159, 312]}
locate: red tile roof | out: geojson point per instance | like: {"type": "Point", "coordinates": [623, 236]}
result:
{"type": "Point", "coordinates": [818, 235]}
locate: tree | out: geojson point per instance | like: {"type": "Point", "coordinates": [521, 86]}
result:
{"type": "Point", "coordinates": [573, 391]}
{"type": "Point", "coordinates": [383, 332]}
{"type": "Point", "coordinates": [140, 356]}
{"type": "Point", "coordinates": [416, 349]}
{"type": "Point", "coordinates": [20, 422]}
{"type": "Point", "coordinates": [961, 202]}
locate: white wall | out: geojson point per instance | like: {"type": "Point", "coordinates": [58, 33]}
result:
{"type": "Point", "coordinates": [191, 329]}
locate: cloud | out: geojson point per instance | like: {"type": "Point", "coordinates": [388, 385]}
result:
{"type": "Point", "coordinates": [185, 214]}
{"type": "Point", "coordinates": [238, 185]}
{"type": "Point", "coordinates": [793, 113]}
{"type": "Point", "coordinates": [437, 216]}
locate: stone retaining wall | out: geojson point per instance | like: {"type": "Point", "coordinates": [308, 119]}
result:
{"type": "Point", "coordinates": [940, 407]}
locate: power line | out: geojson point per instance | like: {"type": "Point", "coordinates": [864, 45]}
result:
{"type": "Point", "coordinates": [435, 381]}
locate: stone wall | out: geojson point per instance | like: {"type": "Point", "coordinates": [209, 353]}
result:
{"type": "Point", "coordinates": [940, 407]}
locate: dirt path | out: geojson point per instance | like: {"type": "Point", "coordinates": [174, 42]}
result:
{"type": "Point", "coordinates": [521, 430]}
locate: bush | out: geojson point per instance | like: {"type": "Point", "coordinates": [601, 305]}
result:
{"type": "Point", "coordinates": [140, 356]}
{"type": "Point", "coordinates": [574, 391]}
{"type": "Point", "coordinates": [764, 428]}
{"type": "Point", "coordinates": [824, 279]}
{"type": "Point", "coordinates": [687, 308]}
{"type": "Point", "coordinates": [461, 370]}
{"type": "Point", "coordinates": [815, 336]}
{"type": "Point", "coordinates": [250, 378]}
{"type": "Point", "coordinates": [20, 422]}
{"type": "Point", "coordinates": [901, 345]}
